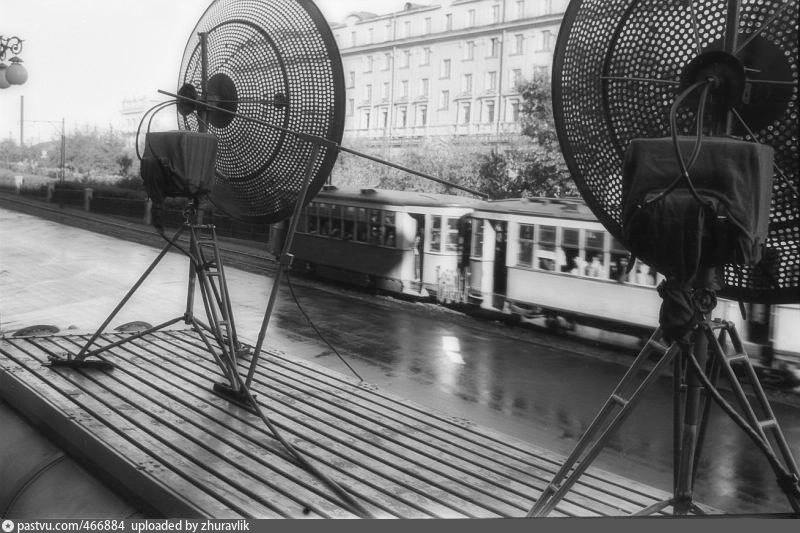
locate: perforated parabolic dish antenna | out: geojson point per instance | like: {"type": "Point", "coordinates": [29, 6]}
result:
{"type": "Point", "coordinates": [617, 69]}
{"type": "Point", "coordinates": [275, 61]}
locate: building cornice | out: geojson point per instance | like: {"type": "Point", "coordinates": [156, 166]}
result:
{"type": "Point", "coordinates": [433, 38]}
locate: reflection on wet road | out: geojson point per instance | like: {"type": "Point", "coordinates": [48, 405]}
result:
{"type": "Point", "coordinates": [533, 386]}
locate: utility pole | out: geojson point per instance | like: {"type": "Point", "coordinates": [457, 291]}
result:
{"type": "Point", "coordinates": [21, 121]}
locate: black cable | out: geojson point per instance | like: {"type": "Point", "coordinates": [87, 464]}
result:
{"type": "Point", "coordinates": [699, 121]}
{"type": "Point", "coordinates": [314, 327]}
{"type": "Point", "coordinates": [347, 499]}
{"type": "Point", "coordinates": [155, 109]}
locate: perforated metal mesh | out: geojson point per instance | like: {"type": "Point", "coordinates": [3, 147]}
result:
{"type": "Point", "coordinates": [273, 51]}
{"type": "Point", "coordinates": [615, 77]}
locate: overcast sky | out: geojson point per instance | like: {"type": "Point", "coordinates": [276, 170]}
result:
{"type": "Point", "coordinates": [85, 56]}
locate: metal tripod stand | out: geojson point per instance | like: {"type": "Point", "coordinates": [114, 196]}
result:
{"type": "Point", "coordinates": [694, 388]}
{"type": "Point", "coordinates": [206, 272]}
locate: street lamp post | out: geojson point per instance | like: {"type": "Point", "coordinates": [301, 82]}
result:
{"type": "Point", "coordinates": [15, 73]}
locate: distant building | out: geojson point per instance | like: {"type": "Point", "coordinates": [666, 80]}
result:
{"type": "Point", "coordinates": [449, 68]}
{"type": "Point", "coordinates": [133, 109]}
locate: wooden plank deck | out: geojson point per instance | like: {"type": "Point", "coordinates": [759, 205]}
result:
{"type": "Point", "coordinates": [154, 425]}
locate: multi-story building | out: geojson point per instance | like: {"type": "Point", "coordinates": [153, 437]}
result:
{"type": "Point", "coordinates": [449, 68]}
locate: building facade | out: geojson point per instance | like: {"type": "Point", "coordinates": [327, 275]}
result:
{"type": "Point", "coordinates": [444, 69]}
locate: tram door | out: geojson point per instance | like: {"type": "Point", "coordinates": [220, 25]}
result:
{"type": "Point", "coordinates": [500, 272]}
{"type": "Point", "coordinates": [419, 247]}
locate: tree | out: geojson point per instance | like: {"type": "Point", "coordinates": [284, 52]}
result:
{"type": "Point", "coordinates": [528, 168]}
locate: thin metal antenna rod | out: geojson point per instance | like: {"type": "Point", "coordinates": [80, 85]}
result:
{"type": "Point", "coordinates": [284, 261]}
{"type": "Point", "coordinates": [323, 142]}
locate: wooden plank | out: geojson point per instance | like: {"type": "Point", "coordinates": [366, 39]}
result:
{"type": "Point", "coordinates": [615, 499]}
{"type": "Point", "coordinates": [155, 422]}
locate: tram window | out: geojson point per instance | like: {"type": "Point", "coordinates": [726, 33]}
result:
{"type": "Point", "coordinates": [619, 261]}
{"type": "Point", "coordinates": [389, 229]}
{"type": "Point", "coordinates": [375, 236]}
{"type": "Point", "coordinates": [312, 218]}
{"type": "Point", "coordinates": [302, 224]}
{"type": "Point", "coordinates": [477, 238]}
{"type": "Point", "coordinates": [349, 223]}
{"type": "Point", "coordinates": [525, 257]}
{"type": "Point", "coordinates": [595, 253]}
{"type": "Point", "coordinates": [436, 234]}
{"type": "Point", "coordinates": [546, 248]}
{"type": "Point", "coordinates": [324, 213]}
{"type": "Point", "coordinates": [361, 225]}
{"type": "Point", "coordinates": [336, 221]}
{"type": "Point", "coordinates": [572, 260]}
{"type": "Point", "coordinates": [452, 235]}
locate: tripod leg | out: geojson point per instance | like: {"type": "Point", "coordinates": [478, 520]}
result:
{"type": "Point", "coordinates": [588, 448]}
{"type": "Point", "coordinates": [82, 353]}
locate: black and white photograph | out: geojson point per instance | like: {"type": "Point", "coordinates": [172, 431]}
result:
{"type": "Point", "coordinates": [372, 259]}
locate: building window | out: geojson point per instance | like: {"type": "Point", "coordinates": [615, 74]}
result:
{"type": "Point", "coordinates": [352, 79]}
{"type": "Point", "coordinates": [494, 47]}
{"type": "Point", "coordinates": [387, 61]}
{"type": "Point", "coordinates": [384, 118]}
{"type": "Point", "coordinates": [423, 87]}
{"type": "Point", "coordinates": [515, 111]}
{"type": "Point", "coordinates": [351, 105]}
{"type": "Point", "coordinates": [490, 112]}
{"type": "Point", "coordinates": [370, 36]}
{"type": "Point", "coordinates": [470, 18]}
{"type": "Point", "coordinates": [491, 80]}
{"type": "Point", "coordinates": [387, 32]}
{"type": "Point", "coordinates": [444, 100]}
{"type": "Point", "coordinates": [422, 115]}
{"type": "Point", "coordinates": [495, 13]}
{"type": "Point", "coordinates": [448, 22]}
{"type": "Point", "coordinates": [444, 71]}
{"type": "Point", "coordinates": [402, 117]}
{"type": "Point", "coordinates": [365, 119]}
{"type": "Point", "coordinates": [466, 108]}
{"type": "Point", "coordinates": [426, 56]}
{"type": "Point", "coordinates": [407, 28]}
{"type": "Point", "coordinates": [520, 9]}
{"type": "Point", "coordinates": [404, 89]}
{"type": "Point", "coordinates": [516, 77]}
{"type": "Point", "coordinates": [385, 90]}
{"type": "Point", "coordinates": [368, 93]}
{"type": "Point", "coordinates": [352, 38]}
{"type": "Point", "coordinates": [369, 64]}
{"type": "Point", "coordinates": [466, 83]}
{"type": "Point", "coordinates": [541, 72]}
{"type": "Point", "coordinates": [469, 50]}
{"type": "Point", "coordinates": [549, 40]}
{"type": "Point", "coordinates": [519, 40]}
{"type": "Point", "coordinates": [405, 59]}
{"type": "Point", "coordinates": [426, 26]}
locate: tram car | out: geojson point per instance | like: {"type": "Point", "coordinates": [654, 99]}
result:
{"type": "Point", "coordinates": [395, 241]}
{"type": "Point", "coordinates": [550, 260]}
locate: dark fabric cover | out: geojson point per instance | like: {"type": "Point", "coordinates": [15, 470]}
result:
{"type": "Point", "coordinates": [178, 164]}
{"type": "Point", "coordinates": [676, 235]}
